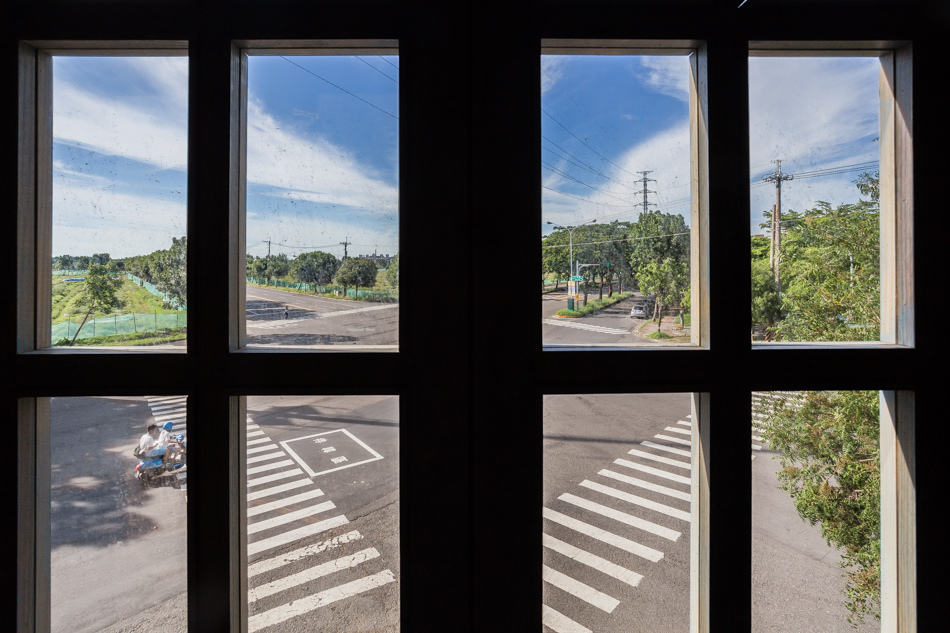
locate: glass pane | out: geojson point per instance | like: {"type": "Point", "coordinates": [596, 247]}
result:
{"type": "Point", "coordinates": [816, 511]}
{"type": "Point", "coordinates": [616, 513]}
{"type": "Point", "coordinates": [117, 520]}
{"type": "Point", "coordinates": [119, 201]}
{"type": "Point", "coordinates": [323, 513]}
{"type": "Point", "coordinates": [323, 201]}
{"type": "Point", "coordinates": [616, 200]}
{"type": "Point", "coordinates": [815, 154]}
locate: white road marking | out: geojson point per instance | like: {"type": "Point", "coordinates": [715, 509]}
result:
{"type": "Point", "coordinates": [604, 536]}
{"type": "Point", "coordinates": [673, 429]}
{"type": "Point", "coordinates": [277, 489]}
{"type": "Point", "coordinates": [261, 449]}
{"type": "Point", "coordinates": [675, 440]}
{"type": "Point", "coordinates": [584, 326]}
{"type": "Point", "coordinates": [269, 478]}
{"type": "Point", "coordinates": [560, 623]}
{"type": "Point", "coordinates": [255, 433]}
{"type": "Point", "coordinates": [284, 519]}
{"type": "Point", "coordinates": [315, 601]}
{"type": "Point", "coordinates": [623, 517]}
{"type": "Point", "coordinates": [264, 458]}
{"type": "Point", "coordinates": [165, 408]}
{"type": "Point", "coordinates": [622, 574]}
{"type": "Point", "coordinates": [388, 306]}
{"type": "Point", "coordinates": [578, 589]}
{"type": "Point", "coordinates": [294, 535]}
{"type": "Point", "coordinates": [684, 423]}
{"type": "Point", "coordinates": [299, 554]}
{"type": "Point", "coordinates": [260, 469]}
{"type": "Point", "coordinates": [283, 503]}
{"type": "Point", "coordinates": [755, 447]}
{"type": "Point", "coordinates": [251, 425]}
{"type": "Point", "coordinates": [311, 573]}
{"type": "Point", "coordinates": [640, 501]}
{"type": "Point", "coordinates": [163, 399]}
{"type": "Point", "coordinates": [657, 458]}
{"type": "Point", "coordinates": [668, 449]}
{"type": "Point", "coordinates": [653, 471]}
{"type": "Point", "coordinates": [169, 418]}
{"type": "Point", "coordinates": [273, 325]}
{"type": "Point", "coordinates": [633, 481]}
{"type": "Point", "coordinates": [259, 440]}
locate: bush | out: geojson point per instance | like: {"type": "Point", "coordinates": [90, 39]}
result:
{"type": "Point", "coordinates": [594, 306]}
{"type": "Point", "coordinates": [138, 338]}
{"type": "Point", "coordinates": [568, 313]}
{"type": "Point", "coordinates": [658, 335]}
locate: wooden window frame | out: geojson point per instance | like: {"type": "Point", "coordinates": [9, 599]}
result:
{"type": "Point", "coordinates": [469, 92]}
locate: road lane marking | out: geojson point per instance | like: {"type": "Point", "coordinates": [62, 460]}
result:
{"type": "Point", "coordinates": [261, 449]}
{"type": "Point", "coordinates": [284, 519]}
{"type": "Point", "coordinates": [269, 478]}
{"type": "Point", "coordinates": [585, 326]}
{"type": "Point", "coordinates": [633, 481]}
{"type": "Point", "coordinates": [283, 503]}
{"type": "Point", "coordinates": [315, 601]}
{"type": "Point", "coordinates": [264, 458]}
{"type": "Point", "coordinates": [266, 492]}
{"type": "Point", "coordinates": [259, 440]}
{"type": "Point", "coordinates": [657, 458]}
{"type": "Point", "coordinates": [640, 501]}
{"type": "Point", "coordinates": [673, 429]}
{"type": "Point", "coordinates": [653, 471]}
{"type": "Point", "coordinates": [623, 517]}
{"type": "Point", "coordinates": [265, 467]}
{"type": "Point", "coordinates": [613, 570]}
{"type": "Point", "coordinates": [560, 623]}
{"type": "Point", "coordinates": [675, 440]}
{"type": "Point", "coordinates": [312, 573]}
{"type": "Point", "coordinates": [306, 551]}
{"type": "Point", "coordinates": [578, 589]}
{"type": "Point", "coordinates": [668, 449]}
{"type": "Point", "coordinates": [255, 433]}
{"type": "Point", "coordinates": [604, 536]}
{"type": "Point", "coordinates": [295, 535]}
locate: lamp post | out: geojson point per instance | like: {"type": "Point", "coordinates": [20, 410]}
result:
{"type": "Point", "coordinates": [570, 232]}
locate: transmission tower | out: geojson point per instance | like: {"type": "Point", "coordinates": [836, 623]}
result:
{"type": "Point", "coordinates": [646, 202]}
{"type": "Point", "coordinates": [775, 247]}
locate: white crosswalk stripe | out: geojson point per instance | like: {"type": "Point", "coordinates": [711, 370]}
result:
{"type": "Point", "coordinates": [282, 508]}
{"type": "Point", "coordinates": [585, 326]}
{"type": "Point", "coordinates": [656, 510]}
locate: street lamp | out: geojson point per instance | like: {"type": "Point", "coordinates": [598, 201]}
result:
{"type": "Point", "coordinates": [570, 231]}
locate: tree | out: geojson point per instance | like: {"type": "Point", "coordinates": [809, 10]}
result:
{"type": "Point", "coordinates": [356, 272]}
{"type": "Point", "coordinates": [83, 262]}
{"type": "Point", "coordinates": [100, 258]}
{"type": "Point", "coordinates": [655, 237]}
{"type": "Point", "coordinates": [170, 273]}
{"type": "Point", "coordinates": [668, 280]}
{"type": "Point", "coordinates": [315, 268]}
{"type": "Point", "coordinates": [766, 303]}
{"type": "Point", "coordinates": [99, 292]}
{"type": "Point", "coordinates": [271, 266]}
{"type": "Point", "coordinates": [392, 272]}
{"type": "Point", "coordinates": [555, 256]}
{"type": "Point", "coordinates": [64, 262]}
{"type": "Point", "coordinates": [830, 453]}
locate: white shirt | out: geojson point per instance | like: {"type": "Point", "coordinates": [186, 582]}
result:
{"type": "Point", "coordinates": [147, 443]}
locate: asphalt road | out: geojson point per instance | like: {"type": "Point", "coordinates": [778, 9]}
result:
{"type": "Point", "coordinates": [610, 327]}
{"type": "Point", "coordinates": [314, 321]}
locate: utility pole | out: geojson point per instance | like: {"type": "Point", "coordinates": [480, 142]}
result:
{"type": "Point", "coordinates": [268, 248]}
{"type": "Point", "coordinates": [776, 245]}
{"type": "Point", "coordinates": [646, 203]}
{"type": "Point", "coordinates": [345, 243]}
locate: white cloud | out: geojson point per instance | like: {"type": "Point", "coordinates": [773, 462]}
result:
{"type": "Point", "coordinates": [552, 69]}
{"type": "Point", "coordinates": [313, 170]}
{"type": "Point", "coordinates": [150, 127]}
{"type": "Point", "coordinates": [667, 74]}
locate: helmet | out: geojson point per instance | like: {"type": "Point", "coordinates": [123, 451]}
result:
{"type": "Point", "coordinates": [168, 426]}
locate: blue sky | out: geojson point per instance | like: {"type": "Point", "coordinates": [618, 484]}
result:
{"type": "Point", "coordinates": [323, 159]}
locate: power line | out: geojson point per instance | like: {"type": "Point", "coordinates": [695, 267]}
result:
{"type": "Point", "coordinates": [339, 88]}
{"type": "Point", "coordinates": [570, 195]}
{"type": "Point", "coordinates": [377, 69]}
{"type": "Point", "coordinates": [581, 182]}
{"type": "Point", "coordinates": [583, 141]}
{"type": "Point", "coordinates": [623, 239]}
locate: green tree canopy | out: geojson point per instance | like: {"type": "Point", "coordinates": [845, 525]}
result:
{"type": "Point", "coordinates": [316, 267]}
{"type": "Point", "coordinates": [392, 272]}
{"type": "Point", "coordinates": [99, 293]}
{"type": "Point", "coordinates": [668, 280]}
{"type": "Point", "coordinates": [357, 272]}
{"type": "Point", "coordinates": [170, 273]}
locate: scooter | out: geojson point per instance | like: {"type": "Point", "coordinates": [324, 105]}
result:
{"type": "Point", "coordinates": [151, 467]}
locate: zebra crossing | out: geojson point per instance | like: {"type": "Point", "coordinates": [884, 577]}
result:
{"type": "Point", "coordinates": [644, 499]}
{"type": "Point", "coordinates": [273, 325]}
{"type": "Point", "coordinates": [171, 409]}
{"type": "Point", "coordinates": [585, 326]}
{"type": "Point", "coordinates": [284, 507]}
{"type": "Point", "coordinates": [760, 399]}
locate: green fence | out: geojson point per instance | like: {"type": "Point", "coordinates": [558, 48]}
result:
{"type": "Point", "coordinates": [373, 295]}
{"type": "Point", "coordinates": [120, 324]}
{"type": "Point", "coordinates": [155, 291]}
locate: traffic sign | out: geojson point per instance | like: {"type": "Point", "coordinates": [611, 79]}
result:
{"type": "Point", "coordinates": [577, 278]}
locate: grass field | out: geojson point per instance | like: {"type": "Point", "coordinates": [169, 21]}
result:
{"type": "Point", "coordinates": [136, 298]}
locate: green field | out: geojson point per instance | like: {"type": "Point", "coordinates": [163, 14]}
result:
{"type": "Point", "coordinates": [136, 298]}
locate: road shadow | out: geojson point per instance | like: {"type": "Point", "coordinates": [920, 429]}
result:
{"type": "Point", "coordinates": [302, 339]}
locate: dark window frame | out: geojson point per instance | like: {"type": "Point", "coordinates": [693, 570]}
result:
{"type": "Point", "coordinates": [469, 91]}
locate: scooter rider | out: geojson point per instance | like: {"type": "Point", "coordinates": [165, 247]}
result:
{"type": "Point", "coordinates": [157, 442]}
{"type": "Point", "coordinates": [172, 446]}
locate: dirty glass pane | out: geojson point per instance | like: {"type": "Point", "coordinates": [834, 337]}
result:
{"type": "Point", "coordinates": [814, 142]}
{"type": "Point", "coordinates": [322, 480]}
{"type": "Point", "coordinates": [323, 201]}
{"type": "Point", "coordinates": [119, 201]}
{"type": "Point", "coordinates": [117, 520]}
{"type": "Point", "coordinates": [816, 511]}
{"type": "Point", "coordinates": [617, 494]}
{"type": "Point", "coordinates": [616, 201]}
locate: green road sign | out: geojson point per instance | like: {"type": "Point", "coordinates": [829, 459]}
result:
{"type": "Point", "coordinates": [577, 278]}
